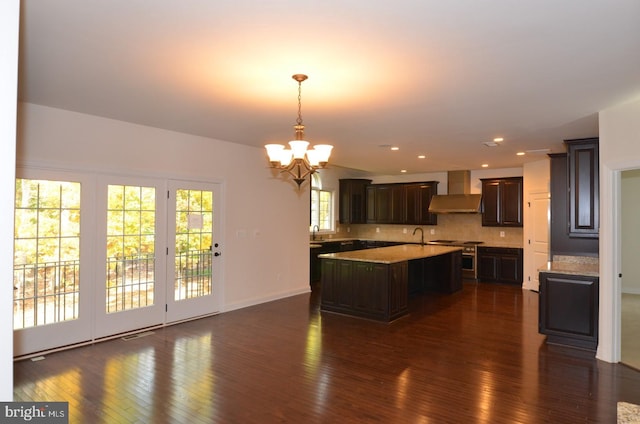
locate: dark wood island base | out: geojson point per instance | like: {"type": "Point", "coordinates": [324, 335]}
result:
{"type": "Point", "coordinates": [376, 283]}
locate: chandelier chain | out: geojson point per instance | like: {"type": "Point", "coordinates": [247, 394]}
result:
{"type": "Point", "coordinates": [299, 120]}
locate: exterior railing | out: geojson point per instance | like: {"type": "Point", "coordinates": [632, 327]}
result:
{"type": "Point", "coordinates": [45, 293]}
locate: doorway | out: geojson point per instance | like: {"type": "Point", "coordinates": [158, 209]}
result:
{"type": "Point", "coordinates": [630, 290]}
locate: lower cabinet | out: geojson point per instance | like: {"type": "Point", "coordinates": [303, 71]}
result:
{"type": "Point", "coordinates": [568, 309]}
{"type": "Point", "coordinates": [499, 265]}
{"type": "Point", "coordinates": [438, 273]}
{"type": "Point", "coordinates": [364, 289]}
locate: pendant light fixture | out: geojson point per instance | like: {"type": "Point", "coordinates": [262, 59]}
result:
{"type": "Point", "coordinates": [297, 160]}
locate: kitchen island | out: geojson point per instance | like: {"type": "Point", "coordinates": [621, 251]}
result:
{"type": "Point", "coordinates": [375, 283]}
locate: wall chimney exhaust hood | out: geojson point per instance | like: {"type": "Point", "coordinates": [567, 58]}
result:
{"type": "Point", "coordinates": [459, 199]}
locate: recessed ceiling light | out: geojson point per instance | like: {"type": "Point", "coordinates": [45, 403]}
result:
{"type": "Point", "coordinates": [520, 153]}
{"type": "Point", "coordinates": [498, 139]}
{"type": "Point", "coordinates": [395, 148]}
{"type": "Point", "coordinates": [403, 170]}
{"type": "Point", "coordinates": [485, 165]}
{"type": "Point", "coordinates": [421, 156]}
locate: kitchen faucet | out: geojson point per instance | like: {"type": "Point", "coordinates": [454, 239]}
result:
{"type": "Point", "coordinates": [421, 235]}
{"type": "Point", "coordinates": [313, 231]}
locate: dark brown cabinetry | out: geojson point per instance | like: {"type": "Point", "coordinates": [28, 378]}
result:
{"type": "Point", "coordinates": [353, 201]}
{"type": "Point", "coordinates": [562, 243]}
{"type": "Point", "coordinates": [499, 265]}
{"type": "Point", "coordinates": [402, 203]}
{"type": "Point", "coordinates": [502, 202]}
{"type": "Point", "coordinates": [386, 203]}
{"type": "Point", "coordinates": [583, 162]}
{"type": "Point", "coordinates": [438, 273]}
{"type": "Point", "coordinates": [568, 309]}
{"type": "Point", "coordinates": [418, 199]}
{"type": "Point", "coordinates": [368, 290]}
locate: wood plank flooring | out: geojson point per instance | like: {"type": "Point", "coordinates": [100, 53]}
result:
{"type": "Point", "coordinates": [471, 357]}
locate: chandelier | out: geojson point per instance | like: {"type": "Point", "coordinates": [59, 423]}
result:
{"type": "Point", "coordinates": [298, 161]}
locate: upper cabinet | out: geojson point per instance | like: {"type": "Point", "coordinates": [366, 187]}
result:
{"type": "Point", "coordinates": [397, 203]}
{"type": "Point", "coordinates": [353, 201]}
{"type": "Point", "coordinates": [502, 202]}
{"type": "Point", "coordinates": [583, 162]}
{"type": "Point", "coordinates": [401, 203]}
{"type": "Point", "coordinates": [418, 200]}
{"type": "Point", "coordinates": [386, 203]}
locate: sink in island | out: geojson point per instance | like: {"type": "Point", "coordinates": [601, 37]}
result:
{"type": "Point", "coordinates": [376, 283]}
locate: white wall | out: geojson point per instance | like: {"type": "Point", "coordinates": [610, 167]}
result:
{"type": "Point", "coordinates": [9, 18]}
{"type": "Point", "coordinates": [630, 230]}
{"type": "Point", "coordinates": [265, 219]}
{"type": "Point", "coordinates": [619, 151]}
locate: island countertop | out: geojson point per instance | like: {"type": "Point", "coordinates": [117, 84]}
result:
{"type": "Point", "coordinates": [392, 254]}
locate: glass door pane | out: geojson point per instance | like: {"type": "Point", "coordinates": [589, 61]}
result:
{"type": "Point", "coordinates": [131, 219]}
{"type": "Point", "coordinates": [193, 248]}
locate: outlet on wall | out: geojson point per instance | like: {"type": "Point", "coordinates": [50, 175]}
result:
{"type": "Point", "coordinates": [433, 231]}
{"type": "Point", "coordinates": [377, 229]}
{"type": "Point", "coordinates": [501, 233]}
{"type": "Point", "coordinates": [404, 231]}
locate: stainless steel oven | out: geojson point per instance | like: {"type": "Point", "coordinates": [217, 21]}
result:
{"type": "Point", "coordinates": [469, 256]}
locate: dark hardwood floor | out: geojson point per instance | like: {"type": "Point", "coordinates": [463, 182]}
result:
{"type": "Point", "coordinates": [471, 357]}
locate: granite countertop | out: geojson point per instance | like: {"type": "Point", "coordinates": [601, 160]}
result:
{"type": "Point", "coordinates": [392, 254]}
{"type": "Point", "coordinates": [573, 265]}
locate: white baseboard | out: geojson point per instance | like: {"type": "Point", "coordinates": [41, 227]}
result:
{"type": "Point", "coordinates": [264, 299]}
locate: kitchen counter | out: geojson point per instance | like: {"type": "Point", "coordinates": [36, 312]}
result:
{"type": "Point", "coordinates": [573, 265]}
{"type": "Point", "coordinates": [376, 283]}
{"type": "Point", "coordinates": [392, 254]}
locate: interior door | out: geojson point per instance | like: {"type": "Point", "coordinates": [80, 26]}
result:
{"type": "Point", "coordinates": [194, 256]}
{"type": "Point", "coordinates": [537, 247]}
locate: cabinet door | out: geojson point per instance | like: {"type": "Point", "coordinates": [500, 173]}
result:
{"type": "Point", "coordinates": [329, 280]}
{"type": "Point", "coordinates": [568, 309]}
{"type": "Point", "coordinates": [491, 203]}
{"type": "Point", "coordinates": [370, 288]}
{"type": "Point", "coordinates": [398, 204]}
{"type": "Point", "coordinates": [418, 199]}
{"type": "Point", "coordinates": [344, 294]}
{"type": "Point", "coordinates": [511, 202]}
{"type": "Point", "coordinates": [352, 207]}
{"type": "Point", "coordinates": [379, 204]}
{"type": "Point", "coordinates": [487, 267]}
{"type": "Point", "coordinates": [583, 188]}
{"type": "Point", "coordinates": [510, 268]}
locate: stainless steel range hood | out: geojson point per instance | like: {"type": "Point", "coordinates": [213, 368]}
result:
{"type": "Point", "coordinates": [459, 199]}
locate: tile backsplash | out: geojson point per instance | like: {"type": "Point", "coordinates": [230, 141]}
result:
{"type": "Point", "coordinates": [450, 227]}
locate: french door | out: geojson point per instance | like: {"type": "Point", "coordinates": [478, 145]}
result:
{"type": "Point", "coordinates": [129, 280]}
{"type": "Point", "coordinates": [51, 305]}
{"type": "Point", "coordinates": [193, 266]}
{"type": "Point", "coordinates": [101, 256]}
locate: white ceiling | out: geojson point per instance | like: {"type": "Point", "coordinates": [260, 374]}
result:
{"type": "Point", "coordinates": [432, 77]}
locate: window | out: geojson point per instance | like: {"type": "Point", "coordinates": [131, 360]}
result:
{"type": "Point", "coordinates": [321, 205]}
